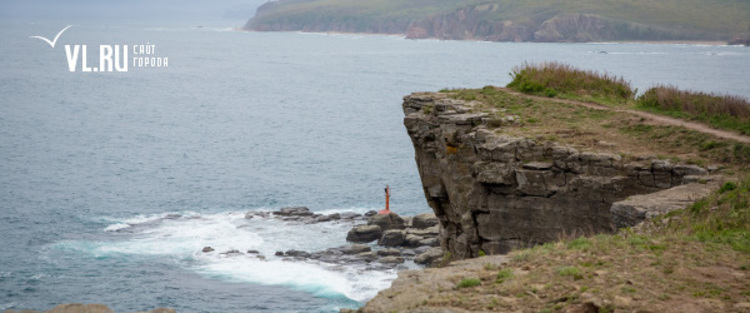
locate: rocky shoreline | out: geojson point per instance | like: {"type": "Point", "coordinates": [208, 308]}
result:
{"type": "Point", "coordinates": [377, 240]}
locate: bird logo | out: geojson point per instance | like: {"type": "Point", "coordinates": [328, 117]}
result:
{"type": "Point", "coordinates": [53, 42]}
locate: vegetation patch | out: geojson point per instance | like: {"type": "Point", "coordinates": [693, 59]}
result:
{"type": "Point", "coordinates": [503, 275]}
{"type": "Point", "coordinates": [600, 130]}
{"type": "Point", "coordinates": [551, 79]}
{"type": "Point", "coordinates": [469, 282]}
{"type": "Point", "coordinates": [720, 111]}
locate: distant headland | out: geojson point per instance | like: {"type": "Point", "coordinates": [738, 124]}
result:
{"type": "Point", "coordinates": [517, 21]}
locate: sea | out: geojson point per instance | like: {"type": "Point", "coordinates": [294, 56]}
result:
{"type": "Point", "coordinates": [111, 182]}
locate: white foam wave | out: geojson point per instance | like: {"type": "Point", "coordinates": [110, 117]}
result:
{"type": "Point", "coordinates": [9, 305]}
{"type": "Point", "coordinates": [318, 279]}
{"type": "Point", "coordinates": [182, 236]}
{"type": "Point", "coordinates": [116, 227]}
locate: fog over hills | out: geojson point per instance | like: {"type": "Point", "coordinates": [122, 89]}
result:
{"type": "Point", "coordinates": [136, 9]}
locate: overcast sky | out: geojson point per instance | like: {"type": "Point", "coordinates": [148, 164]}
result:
{"type": "Point", "coordinates": [131, 9]}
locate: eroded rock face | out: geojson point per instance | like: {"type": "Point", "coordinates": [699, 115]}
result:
{"type": "Point", "coordinates": [635, 209]}
{"type": "Point", "coordinates": [496, 192]}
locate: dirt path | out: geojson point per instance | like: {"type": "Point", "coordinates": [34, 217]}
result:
{"type": "Point", "coordinates": [660, 119]}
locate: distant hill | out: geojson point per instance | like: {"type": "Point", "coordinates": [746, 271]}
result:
{"type": "Point", "coordinates": [514, 20]}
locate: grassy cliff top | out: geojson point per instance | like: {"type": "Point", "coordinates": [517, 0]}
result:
{"type": "Point", "coordinates": [597, 112]}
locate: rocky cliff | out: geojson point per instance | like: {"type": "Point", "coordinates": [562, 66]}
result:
{"type": "Point", "coordinates": [473, 24]}
{"type": "Point", "coordinates": [494, 192]}
{"type": "Point", "coordinates": [500, 20]}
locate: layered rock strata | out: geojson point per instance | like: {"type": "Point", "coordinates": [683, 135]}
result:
{"type": "Point", "coordinates": [494, 192]}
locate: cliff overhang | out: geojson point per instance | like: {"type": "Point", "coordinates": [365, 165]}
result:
{"type": "Point", "coordinates": [494, 191]}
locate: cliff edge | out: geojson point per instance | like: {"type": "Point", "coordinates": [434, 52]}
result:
{"type": "Point", "coordinates": [504, 170]}
{"type": "Point", "coordinates": [494, 191]}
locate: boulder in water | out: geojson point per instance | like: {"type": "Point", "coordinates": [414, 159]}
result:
{"type": "Point", "coordinates": [355, 249]}
{"type": "Point", "coordinates": [424, 220]}
{"type": "Point", "coordinates": [392, 238]}
{"type": "Point", "coordinates": [294, 211]}
{"type": "Point", "coordinates": [364, 233]}
{"type": "Point", "coordinates": [387, 221]}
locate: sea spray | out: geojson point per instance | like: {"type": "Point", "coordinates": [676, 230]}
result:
{"type": "Point", "coordinates": [182, 235]}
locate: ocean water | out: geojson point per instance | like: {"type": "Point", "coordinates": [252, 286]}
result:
{"type": "Point", "coordinates": [111, 183]}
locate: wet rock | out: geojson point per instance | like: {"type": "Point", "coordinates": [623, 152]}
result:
{"type": "Point", "coordinates": [355, 249]}
{"type": "Point", "coordinates": [294, 211]}
{"type": "Point", "coordinates": [389, 252]}
{"type": "Point", "coordinates": [232, 252]}
{"type": "Point", "coordinates": [172, 216]}
{"type": "Point", "coordinates": [349, 215]}
{"type": "Point", "coordinates": [412, 240]}
{"type": "Point", "coordinates": [279, 253]}
{"type": "Point", "coordinates": [297, 253]}
{"type": "Point", "coordinates": [391, 260]}
{"type": "Point", "coordinates": [429, 256]}
{"type": "Point", "coordinates": [408, 253]}
{"type": "Point", "coordinates": [424, 220]}
{"type": "Point", "coordinates": [367, 256]}
{"type": "Point", "coordinates": [364, 233]}
{"type": "Point", "coordinates": [371, 213]}
{"type": "Point", "coordinates": [392, 238]}
{"type": "Point", "coordinates": [207, 249]}
{"type": "Point", "coordinates": [430, 242]}
{"type": "Point", "coordinates": [420, 250]}
{"type": "Point", "coordinates": [252, 214]}
{"type": "Point", "coordinates": [321, 219]}
{"type": "Point", "coordinates": [387, 221]}
{"type": "Point", "coordinates": [253, 251]}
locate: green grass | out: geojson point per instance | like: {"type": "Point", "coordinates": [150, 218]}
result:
{"type": "Point", "coordinates": [572, 124]}
{"type": "Point", "coordinates": [503, 275]}
{"type": "Point", "coordinates": [571, 271]}
{"type": "Point", "coordinates": [469, 282]}
{"type": "Point", "coordinates": [581, 243]}
{"type": "Point", "coordinates": [552, 79]}
{"type": "Point", "coordinates": [724, 218]}
{"type": "Point", "coordinates": [720, 111]}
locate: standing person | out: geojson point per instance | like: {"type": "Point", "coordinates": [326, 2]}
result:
{"type": "Point", "coordinates": [387, 198]}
